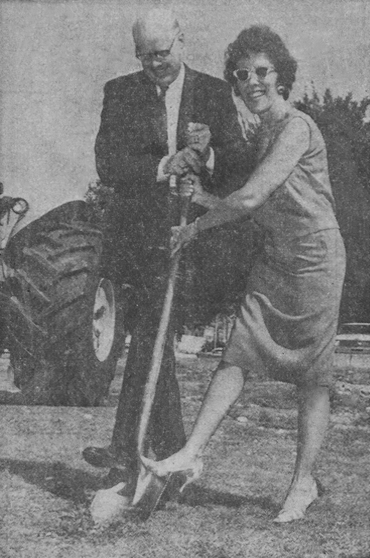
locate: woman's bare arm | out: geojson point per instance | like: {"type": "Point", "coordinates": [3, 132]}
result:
{"type": "Point", "coordinates": [271, 173]}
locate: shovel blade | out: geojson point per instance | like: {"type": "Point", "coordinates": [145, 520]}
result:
{"type": "Point", "coordinates": [149, 490]}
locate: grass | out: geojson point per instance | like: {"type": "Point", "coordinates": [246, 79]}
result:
{"type": "Point", "coordinates": [47, 487]}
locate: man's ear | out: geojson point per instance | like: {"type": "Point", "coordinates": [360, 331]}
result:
{"type": "Point", "coordinates": [181, 38]}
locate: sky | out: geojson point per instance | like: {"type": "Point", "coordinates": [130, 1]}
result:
{"type": "Point", "coordinates": [329, 38]}
{"type": "Point", "coordinates": [56, 57]}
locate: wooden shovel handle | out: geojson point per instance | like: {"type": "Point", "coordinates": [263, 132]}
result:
{"type": "Point", "coordinates": [185, 204]}
{"type": "Point", "coordinates": [160, 342]}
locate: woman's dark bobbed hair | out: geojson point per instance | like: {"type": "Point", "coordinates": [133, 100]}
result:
{"type": "Point", "coordinates": [256, 39]}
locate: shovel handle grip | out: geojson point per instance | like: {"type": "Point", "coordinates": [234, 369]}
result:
{"type": "Point", "coordinates": [185, 204]}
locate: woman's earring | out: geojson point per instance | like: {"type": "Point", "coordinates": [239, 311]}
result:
{"type": "Point", "coordinates": [281, 89]}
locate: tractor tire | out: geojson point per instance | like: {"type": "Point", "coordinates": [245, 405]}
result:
{"type": "Point", "coordinates": [66, 327]}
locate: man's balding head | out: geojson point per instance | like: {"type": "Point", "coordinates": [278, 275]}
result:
{"type": "Point", "coordinates": [156, 22]}
{"type": "Point", "coordinates": [159, 45]}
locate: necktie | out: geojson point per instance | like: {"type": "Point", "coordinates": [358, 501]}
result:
{"type": "Point", "coordinates": [162, 119]}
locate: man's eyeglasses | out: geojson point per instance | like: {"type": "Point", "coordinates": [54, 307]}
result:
{"type": "Point", "coordinates": [157, 54]}
{"type": "Point", "coordinates": [260, 72]}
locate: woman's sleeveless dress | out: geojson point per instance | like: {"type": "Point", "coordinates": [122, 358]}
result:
{"type": "Point", "coordinates": [287, 323]}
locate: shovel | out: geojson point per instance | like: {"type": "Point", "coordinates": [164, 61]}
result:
{"type": "Point", "coordinates": [150, 487]}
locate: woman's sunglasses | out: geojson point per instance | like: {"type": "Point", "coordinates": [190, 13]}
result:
{"type": "Point", "coordinates": [260, 72]}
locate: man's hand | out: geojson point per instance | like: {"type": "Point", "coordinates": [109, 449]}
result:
{"type": "Point", "coordinates": [183, 162]}
{"type": "Point", "coordinates": [198, 138]}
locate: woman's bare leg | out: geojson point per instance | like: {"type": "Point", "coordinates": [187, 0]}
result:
{"type": "Point", "coordinates": [313, 417]}
{"type": "Point", "coordinates": [223, 391]}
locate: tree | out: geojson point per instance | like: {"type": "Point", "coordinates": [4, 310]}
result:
{"type": "Point", "coordinates": [346, 132]}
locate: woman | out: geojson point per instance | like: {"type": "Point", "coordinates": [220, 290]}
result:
{"type": "Point", "coordinates": [287, 322]}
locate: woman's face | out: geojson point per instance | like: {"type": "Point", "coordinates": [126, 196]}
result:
{"type": "Point", "coordinates": [259, 90]}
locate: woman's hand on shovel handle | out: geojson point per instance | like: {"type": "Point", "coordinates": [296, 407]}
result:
{"type": "Point", "coordinates": [186, 185]}
{"type": "Point", "coordinates": [191, 186]}
{"type": "Point", "coordinates": [182, 236]}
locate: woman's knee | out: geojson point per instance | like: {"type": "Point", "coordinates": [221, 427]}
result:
{"type": "Point", "coordinates": [229, 367]}
{"type": "Point", "coordinates": [313, 395]}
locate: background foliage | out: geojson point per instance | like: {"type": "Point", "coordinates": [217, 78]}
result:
{"type": "Point", "coordinates": [346, 131]}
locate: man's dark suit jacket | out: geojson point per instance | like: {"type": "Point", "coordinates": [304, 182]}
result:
{"type": "Point", "coordinates": [128, 154]}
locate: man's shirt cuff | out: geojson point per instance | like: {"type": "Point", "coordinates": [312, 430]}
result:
{"type": "Point", "coordinates": [161, 175]}
{"type": "Point", "coordinates": [210, 164]}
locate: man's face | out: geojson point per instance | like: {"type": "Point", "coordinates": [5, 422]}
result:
{"type": "Point", "coordinates": [160, 55]}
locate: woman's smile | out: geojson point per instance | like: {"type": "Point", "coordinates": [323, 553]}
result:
{"type": "Point", "coordinates": [256, 94]}
{"type": "Point", "coordinates": [259, 90]}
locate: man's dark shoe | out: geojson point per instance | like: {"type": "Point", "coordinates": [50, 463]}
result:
{"type": "Point", "coordinates": [106, 457]}
{"type": "Point", "coordinates": [100, 457]}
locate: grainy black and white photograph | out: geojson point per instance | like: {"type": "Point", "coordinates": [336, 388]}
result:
{"type": "Point", "coordinates": [185, 279]}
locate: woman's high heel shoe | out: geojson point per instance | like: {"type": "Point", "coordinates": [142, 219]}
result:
{"type": "Point", "coordinates": [189, 470]}
{"type": "Point", "coordinates": [295, 507]}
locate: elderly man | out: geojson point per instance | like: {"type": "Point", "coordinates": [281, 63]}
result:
{"type": "Point", "coordinates": [144, 142]}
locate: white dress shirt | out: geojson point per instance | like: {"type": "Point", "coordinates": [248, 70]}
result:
{"type": "Point", "coordinates": [172, 101]}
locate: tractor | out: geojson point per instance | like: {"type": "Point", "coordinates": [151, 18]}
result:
{"type": "Point", "coordinates": [61, 319]}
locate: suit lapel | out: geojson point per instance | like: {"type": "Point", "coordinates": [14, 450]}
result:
{"type": "Point", "coordinates": [186, 112]}
{"type": "Point", "coordinates": [147, 102]}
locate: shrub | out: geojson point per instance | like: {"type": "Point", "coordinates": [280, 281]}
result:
{"type": "Point", "coordinates": [346, 131]}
